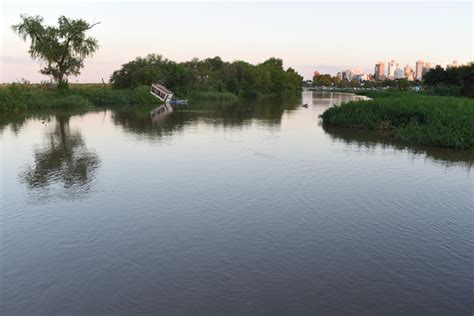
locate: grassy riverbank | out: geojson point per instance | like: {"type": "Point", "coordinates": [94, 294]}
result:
{"type": "Point", "coordinates": [20, 97]}
{"type": "Point", "coordinates": [410, 117]}
{"type": "Point", "coordinates": [213, 96]}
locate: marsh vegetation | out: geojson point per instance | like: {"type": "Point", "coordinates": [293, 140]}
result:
{"type": "Point", "coordinates": [411, 117]}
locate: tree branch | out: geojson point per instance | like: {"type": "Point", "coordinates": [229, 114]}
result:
{"type": "Point", "coordinates": [91, 26]}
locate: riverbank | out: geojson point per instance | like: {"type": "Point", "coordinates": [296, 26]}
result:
{"type": "Point", "coordinates": [410, 117]}
{"type": "Point", "coordinates": [21, 97]}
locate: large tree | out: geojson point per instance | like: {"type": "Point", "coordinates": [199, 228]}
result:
{"type": "Point", "coordinates": [63, 47]}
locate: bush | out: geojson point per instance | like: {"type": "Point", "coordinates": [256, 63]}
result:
{"type": "Point", "coordinates": [67, 101]}
{"type": "Point", "coordinates": [213, 96]}
{"type": "Point", "coordinates": [18, 97]}
{"type": "Point", "coordinates": [141, 95]}
{"type": "Point", "coordinates": [413, 118]}
{"type": "Point", "coordinates": [10, 100]}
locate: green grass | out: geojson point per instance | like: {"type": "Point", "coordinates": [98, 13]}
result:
{"type": "Point", "coordinates": [411, 117]}
{"type": "Point", "coordinates": [20, 97]}
{"type": "Point", "coordinates": [213, 96]}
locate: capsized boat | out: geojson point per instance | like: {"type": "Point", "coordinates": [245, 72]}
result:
{"type": "Point", "coordinates": [165, 95]}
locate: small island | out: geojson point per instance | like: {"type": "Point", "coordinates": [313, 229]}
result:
{"type": "Point", "coordinates": [423, 118]}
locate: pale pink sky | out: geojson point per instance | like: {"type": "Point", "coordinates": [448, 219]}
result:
{"type": "Point", "coordinates": [308, 36]}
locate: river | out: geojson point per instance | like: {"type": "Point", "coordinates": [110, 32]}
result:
{"type": "Point", "coordinates": [221, 209]}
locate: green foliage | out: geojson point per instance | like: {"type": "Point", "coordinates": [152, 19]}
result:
{"type": "Point", "coordinates": [452, 81]}
{"type": "Point", "coordinates": [10, 100]}
{"type": "Point", "coordinates": [63, 47]}
{"type": "Point", "coordinates": [211, 75]}
{"type": "Point", "coordinates": [213, 96]}
{"type": "Point", "coordinates": [324, 80]}
{"type": "Point", "coordinates": [413, 118]}
{"type": "Point", "coordinates": [15, 97]}
{"type": "Point", "coordinates": [141, 95]}
{"type": "Point", "coordinates": [402, 84]}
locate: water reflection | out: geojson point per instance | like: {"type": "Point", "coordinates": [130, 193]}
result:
{"type": "Point", "coordinates": [63, 167]}
{"type": "Point", "coordinates": [13, 121]}
{"type": "Point", "coordinates": [160, 113]}
{"type": "Point", "coordinates": [149, 122]}
{"type": "Point", "coordinates": [243, 196]}
{"type": "Point", "coordinates": [371, 139]}
{"type": "Point", "coordinates": [165, 120]}
{"type": "Point", "coordinates": [268, 111]}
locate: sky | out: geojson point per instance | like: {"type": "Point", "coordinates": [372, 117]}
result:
{"type": "Point", "coordinates": [308, 36]}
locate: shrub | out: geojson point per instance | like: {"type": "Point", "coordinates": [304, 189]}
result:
{"type": "Point", "coordinates": [414, 118]}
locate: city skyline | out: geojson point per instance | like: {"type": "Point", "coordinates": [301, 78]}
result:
{"type": "Point", "coordinates": [306, 36]}
{"type": "Point", "coordinates": [391, 70]}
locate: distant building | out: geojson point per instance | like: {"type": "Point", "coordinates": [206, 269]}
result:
{"type": "Point", "coordinates": [399, 73]}
{"type": "Point", "coordinates": [453, 65]}
{"type": "Point", "coordinates": [361, 77]}
{"type": "Point", "coordinates": [339, 75]}
{"type": "Point", "coordinates": [391, 69]}
{"type": "Point", "coordinates": [419, 69]}
{"type": "Point", "coordinates": [425, 69]}
{"type": "Point", "coordinates": [379, 73]}
{"type": "Point", "coordinates": [347, 74]}
{"type": "Point", "coordinates": [409, 74]}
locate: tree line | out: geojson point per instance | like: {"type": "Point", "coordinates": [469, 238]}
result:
{"type": "Point", "coordinates": [451, 81]}
{"type": "Point", "coordinates": [455, 81]}
{"type": "Point", "coordinates": [211, 74]}
{"type": "Point", "coordinates": [326, 80]}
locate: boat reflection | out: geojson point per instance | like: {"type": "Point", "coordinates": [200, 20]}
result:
{"type": "Point", "coordinates": [165, 120]}
{"type": "Point", "coordinates": [160, 113]}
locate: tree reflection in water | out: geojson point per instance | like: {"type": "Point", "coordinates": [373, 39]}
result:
{"type": "Point", "coordinates": [367, 139]}
{"type": "Point", "coordinates": [155, 123]}
{"type": "Point", "coordinates": [64, 167]}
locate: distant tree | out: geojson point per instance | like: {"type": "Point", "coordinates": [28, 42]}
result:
{"type": "Point", "coordinates": [63, 47]}
{"type": "Point", "coordinates": [403, 84]}
{"type": "Point", "coordinates": [336, 81]}
{"type": "Point", "coordinates": [389, 83]}
{"type": "Point", "coordinates": [322, 80]}
{"type": "Point", "coordinates": [452, 81]}
{"type": "Point", "coordinates": [354, 83]}
{"type": "Point", "coordinates": [435, 76]}
{"type": "Point", "coordinates": [211, 74]}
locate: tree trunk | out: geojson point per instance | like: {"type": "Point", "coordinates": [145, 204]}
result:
{"type": "Point", "coordinates": [60, 78]}
{"type": "Point", "coordinates": [61, 82]}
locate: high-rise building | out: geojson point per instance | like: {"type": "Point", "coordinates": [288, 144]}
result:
{"type": "Point", "coordinates": [361, 77]}
{"type": "Point", "coordinates": [399, 73]}
{"type": "Point", "coordinates": [391, 69]}
{"type": "Point", "coordinates": [409, 74]}
{"type": "Point", "coordinates": [379, 71]}
{"type": "Point", "coordinates": [347, 74]}
{"type": "Point", "coordinates": [425, 69]}
{"type": "Point", "coordinates": [419, 70]}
